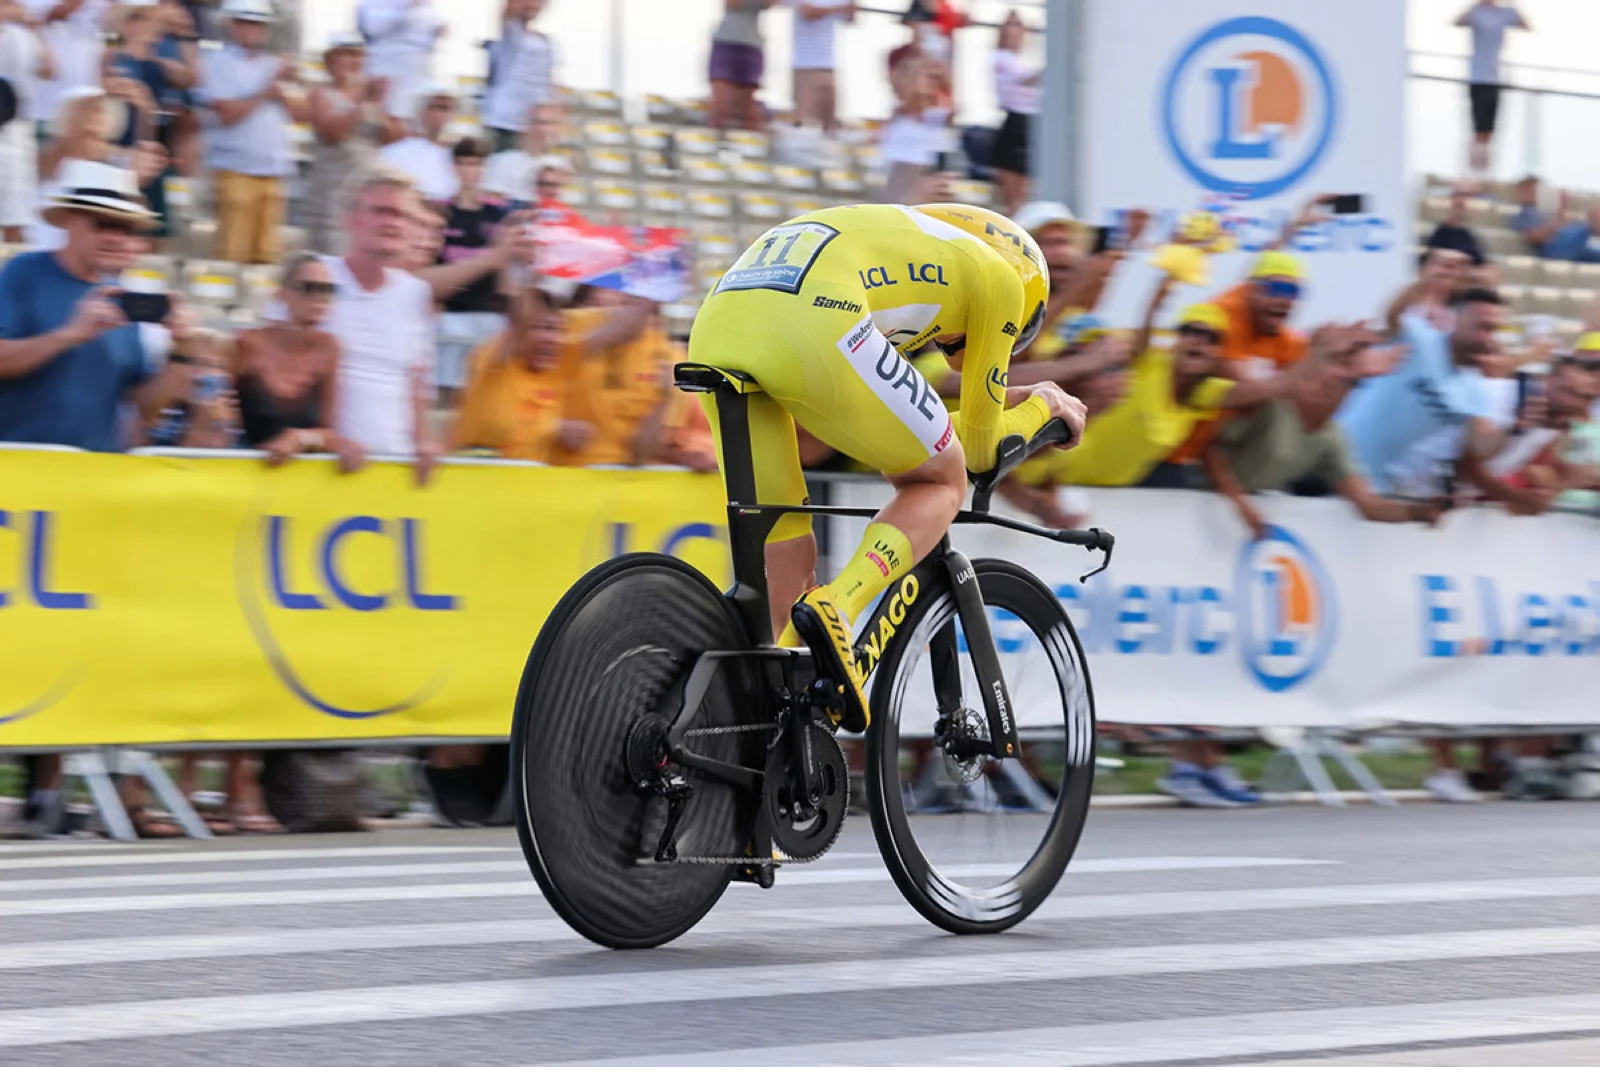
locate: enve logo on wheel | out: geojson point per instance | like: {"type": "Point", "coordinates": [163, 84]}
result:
{"type": "Point", "coordinates": [1287, 615]}
{"type": "Point", "coordinates": [1250, 107]}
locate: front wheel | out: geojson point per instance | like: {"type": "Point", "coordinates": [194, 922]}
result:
{"type": "Point", "coordinates": [607, 664]}
{"type": "Point", "coordinates": [977, 843]}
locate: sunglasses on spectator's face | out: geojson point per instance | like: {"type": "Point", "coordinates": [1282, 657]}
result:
{"type": "Point", "coordinates": [1279, 289]}
{"type": "Point", "coordinates": [314, 288]}
{"type": "Point", "coordinates": [1204, 334]}
{"type": "Point", "coordinates": [1590, 364]}
{"type": "Point", "coordinates": [105, 225]}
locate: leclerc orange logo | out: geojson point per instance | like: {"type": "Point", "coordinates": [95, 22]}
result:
{"type": "Point", "coordinates": [1286, 610]}
{"type": "Point", "coordinates": [1250, 107]}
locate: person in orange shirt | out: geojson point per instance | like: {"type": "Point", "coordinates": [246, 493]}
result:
{"type": "Point", "coordinates": [1259, 343]}
{"type": "Point", "coordinates": [516, 388]}
{"type": "Point", "coordinates": [616, 365]}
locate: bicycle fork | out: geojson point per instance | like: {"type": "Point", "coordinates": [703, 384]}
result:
{"type": "Point", "coordinates": [1003, 740]}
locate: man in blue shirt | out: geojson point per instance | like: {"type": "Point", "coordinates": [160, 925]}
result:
{"type": "Point", "coordinates": [1430, 416]}
{"type": "Point", "coordinates": [69, 357]}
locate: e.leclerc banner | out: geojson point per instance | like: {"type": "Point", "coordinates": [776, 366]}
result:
{"type": "Point", "coordinates": [1258, 107]}
{"type": "Point", "coordinates": [164, 600]}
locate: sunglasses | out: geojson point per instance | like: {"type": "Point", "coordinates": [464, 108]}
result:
{"type": "Point", "coordinates": [1589, 363]}
{"type": "Point", "coordinates": [951, 349]}
{"type": "Point", "coordinates": [104, 225]}
{"type": "Point", "coordinates": [1279, 289]}
{"type": "Point", "coordinates": [1200, 333]}
{"type": "Point", "coordinates": [314, 288]}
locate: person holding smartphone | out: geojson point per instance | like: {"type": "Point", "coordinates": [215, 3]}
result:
{"type": "Point", "coordinates": [71, 357]}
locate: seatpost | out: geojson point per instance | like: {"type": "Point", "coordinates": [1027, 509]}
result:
{"type": "Point", "coordinates": [747, 530]}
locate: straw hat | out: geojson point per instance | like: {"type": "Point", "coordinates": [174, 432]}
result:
{"type": "Point", "coordinates": [90, 188]}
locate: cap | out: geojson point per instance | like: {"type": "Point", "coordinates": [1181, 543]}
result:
{"type": "Point", "coordinates": [1589, 342]}
{"type": "Point", "coordinates": [1206, 315]}
{"type": "Point", "coordinates": [248, 10]}
{"type": "Point", "coordinates": [1082, 329]}
{"type": "Point", "coordinates": [1041, 214]}
{"type": "Point", "coordinates": [345, 40]}
{"type": "Point", "coordinates": [1279, 265]}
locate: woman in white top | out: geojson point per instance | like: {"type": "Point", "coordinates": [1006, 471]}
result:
{"type": "Point", "coordinates": [919, 133]}
{"type": "Point", "coordinates": [1016, 85]}
{"type": "Point", "coordinates": [24, 62]}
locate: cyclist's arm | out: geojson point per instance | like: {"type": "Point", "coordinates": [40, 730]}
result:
{"type": "Point", "coordinates": [983, 420]}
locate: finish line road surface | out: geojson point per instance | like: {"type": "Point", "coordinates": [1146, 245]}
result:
{"type": "Point", "coordinates": [1425, 936]}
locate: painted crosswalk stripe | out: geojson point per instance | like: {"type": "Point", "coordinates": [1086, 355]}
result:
{"type": "Point", "coordinates": [1085, 906]}
{"type": "Point", "coordinates": [277, 1011]}
{"type": "Point", "coordinates": [79, 952]}
{"type": "Point", "coordinates": [825, 875]}
{"type": "Point", "coordinates": [208, 855]}
{"type": "Point", "coordinates": [1207, 1038]}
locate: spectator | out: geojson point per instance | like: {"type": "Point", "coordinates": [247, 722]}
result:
{"type": "Point", "coordinates": [24, 62]}
{"type": "Point", "coordinates": [1077, 279]}
{"type": "Point", "coordinates": [474, 315]}
{"type": "Point", "coordinates": [401, 36]}
{"type": "Point", "coordinates": [1283, 443]}
{"type": "Point", "coordinates": [816, 24]}
{"type": "Point", "coordinates": [179, 49]}
{"type": "Point", "coordinates": [426, 245]}
{"type": "Point", "coordinates": [288, 372]}
{"type": "Point", "coordinates": [349, 124]}
{"type": "Point", "coordinates": [253, 98]}
{"type": "Point", "coordinates": [1258, 339]}
{"type": "Point", "coordinates": [1434, 410]}
{"type": "Point", "coordinates": [1170, 393]}
{"type": "Point", "coordinates": [205, 417]}
{"type": "Point", "coordinates": [1558, 236]}
{"type": "Point", "coordinates": [522, 179]}
{"type": "Point", "coordinates": [1540, 453]}
{"type": "Point", "coordinates": [679, 436]}
{"type": "Point", "coordinates": [1453, 233]}
{"type": "Point", "coordinates": [615, 362]}
{"type": "Point", "coordinates": [382, 320]}
{"type": "Point", "coordinates": [151, 77]}
{"type": "Point", "coordinates": [737, 65]}
{"type": "Point", "coordinates": [1488, 20]}
{"type": "Point", "coordinates": [73, 32]}
{"type": "Point", "coordinates": [514, 398]}
{"type": "Point", "coordinates": [423, 155]}
{"type": "Point", "coordinates": [918, 138]}
{"type": "Point", "coordinates": [1443, 274]}
{"type": "Point", "coordinates": [522, 67]}
{"type": "Point", "coordinates": [1017, 89]}
{"type": "Point", "coordinates": [70, 360]}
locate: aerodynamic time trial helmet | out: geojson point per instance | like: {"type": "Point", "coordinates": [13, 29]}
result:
{"type": "Point", "coordinates": [1017, 247]}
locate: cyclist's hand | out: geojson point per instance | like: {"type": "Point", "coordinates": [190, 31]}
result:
{"type": "Point", "coordinates": [1064, 406]}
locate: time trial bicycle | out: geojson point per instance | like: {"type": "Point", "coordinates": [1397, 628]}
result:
{"type": "Point", "coordinates": [663, 746]}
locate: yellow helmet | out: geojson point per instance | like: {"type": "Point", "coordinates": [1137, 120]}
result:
{"type": "Point", "coordinates": [1017, 247]}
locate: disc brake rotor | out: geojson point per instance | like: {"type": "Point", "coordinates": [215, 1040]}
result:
{"type": "Point", "coordinates": [808, 836]}
{"type": "Point", "coordinates": [959, 733]}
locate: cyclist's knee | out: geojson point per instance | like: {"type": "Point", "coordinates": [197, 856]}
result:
{"type": "Point", "coordinates": [946, 472]}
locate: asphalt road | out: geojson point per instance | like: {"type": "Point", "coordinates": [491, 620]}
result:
{"type": "Point", "coordinates": [1425, 936]}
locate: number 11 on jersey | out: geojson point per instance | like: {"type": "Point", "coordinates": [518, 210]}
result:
{"type": "Point", "coordinates": [780, 260]}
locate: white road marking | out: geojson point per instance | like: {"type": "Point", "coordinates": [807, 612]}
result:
{"type": "Point", "coordinates": [1204, 1038]}
{"type": "Point", "coordinates": [278, 1011]}
{"type": "Point", "coordinates": [204, 854]}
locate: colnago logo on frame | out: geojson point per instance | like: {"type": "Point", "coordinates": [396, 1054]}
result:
{"type": "Point", "coordinates": [1250, 107]}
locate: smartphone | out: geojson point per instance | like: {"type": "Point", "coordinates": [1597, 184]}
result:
{"type": "Point", "coordinates": [210, 385]}
{"type": "Point", "coordinates": [1108, 239]}
{"type": "Point", "coordinates": [1348, 204]}
{"type": "Point", "coordinates": [947, 163]}
{"type": "Point", "coordinates": [144, 307]}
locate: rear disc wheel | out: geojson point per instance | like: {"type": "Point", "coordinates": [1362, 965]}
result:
{"type": "Point", "coordinates": [607, 664]}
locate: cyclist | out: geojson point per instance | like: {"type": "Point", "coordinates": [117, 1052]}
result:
{"type": "Point", "coordinates": [819, 311]}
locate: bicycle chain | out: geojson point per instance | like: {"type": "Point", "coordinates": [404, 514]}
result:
{"type": "Point", "coordinates": [742, 861]}
{"type": "Point", "coordinates": [713, 731]}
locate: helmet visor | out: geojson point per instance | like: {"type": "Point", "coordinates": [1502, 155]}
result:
{"type": "Point", "coordinates": [1030, 331]}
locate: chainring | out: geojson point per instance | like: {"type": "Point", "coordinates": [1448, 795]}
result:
{"type": "Point", "coordinates": [810, 838]}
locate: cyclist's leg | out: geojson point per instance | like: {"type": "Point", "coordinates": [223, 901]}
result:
{"type": "Point", "coordinates": [791, 556]}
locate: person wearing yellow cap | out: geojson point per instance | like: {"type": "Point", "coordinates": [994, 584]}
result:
{"type": "Point", "coordinates": [1172, 391]}
{"type": "Point", "coordinates": [1259, 337]}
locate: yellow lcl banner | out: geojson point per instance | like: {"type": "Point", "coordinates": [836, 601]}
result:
{"type": "Point", "coordinates": [159, 600]}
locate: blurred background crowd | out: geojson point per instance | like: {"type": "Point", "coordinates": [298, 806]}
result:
{"type": "Point", "coordinates": [340, 253]}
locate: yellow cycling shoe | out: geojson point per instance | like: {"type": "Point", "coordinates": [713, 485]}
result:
{"type": "Point", "coordinates": [823, 627]}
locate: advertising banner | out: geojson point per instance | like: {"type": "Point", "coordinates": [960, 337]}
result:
{"type": "Point", "coordinates": [148, 599]}
{"type": "Point", "coordinates": [1249, 109]}
{"type": "Point", "coordinates": [1332, 621]}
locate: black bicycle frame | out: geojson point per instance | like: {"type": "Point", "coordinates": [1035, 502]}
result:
{"type": "Point", "coordinates": [750, 522]}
